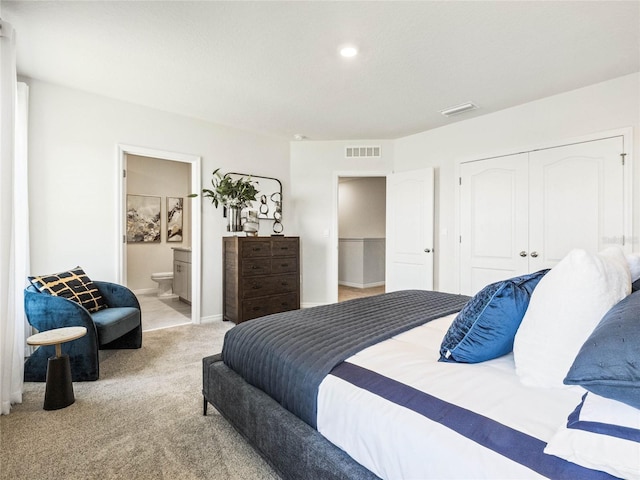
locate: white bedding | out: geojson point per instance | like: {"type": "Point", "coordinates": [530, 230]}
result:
{"type": "Point", "coordinates": [396, 443]}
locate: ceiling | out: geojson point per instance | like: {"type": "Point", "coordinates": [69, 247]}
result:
{"type": "Point", "coordinates": [274, 68]}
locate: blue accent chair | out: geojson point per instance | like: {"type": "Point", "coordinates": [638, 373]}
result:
{"type": "Point", "coordinates": [116, 327]}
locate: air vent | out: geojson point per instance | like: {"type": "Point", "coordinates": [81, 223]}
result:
{"type": "Point", "coordinates": [362, 152]}
{"type": "Point", "coordinates": [458, 109]}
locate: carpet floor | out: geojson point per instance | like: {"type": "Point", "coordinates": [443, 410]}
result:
{"type": "Point", "coordinates": [141, 420]}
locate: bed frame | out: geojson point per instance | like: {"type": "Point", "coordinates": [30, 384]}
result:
{"type": "Point", "coordinates": [293, 448]}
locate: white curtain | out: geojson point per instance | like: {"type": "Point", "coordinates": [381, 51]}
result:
{"type": "Point", "coordinates": [14, 221]}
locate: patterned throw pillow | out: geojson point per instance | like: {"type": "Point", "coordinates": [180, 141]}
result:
{"type": "Point", "coordinates": [73, 285]}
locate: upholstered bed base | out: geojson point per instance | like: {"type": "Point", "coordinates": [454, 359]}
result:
{"type": "Point", "coordinates": [290, 446]}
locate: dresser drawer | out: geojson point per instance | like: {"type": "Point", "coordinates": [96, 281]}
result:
{"type": "Point", "coordinates": [284, 265]}
{"type": "Point", "coordinates": [284, 247]}
{"type": "Point", "coordinates": [257, 248]}
{"type": "Point", "coordinates": [260, 286]}
{"type": "Point", "coordinates": [256, 266]}
{"type": "Point", "coordinates": [284, 303]}
{"type": "Point", "coordinates": [259, 307]}
{"type": "Point", "coordinates": [255, 308]}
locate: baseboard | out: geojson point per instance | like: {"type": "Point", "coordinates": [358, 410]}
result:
{"type": "Point", "coordinates": [211, 319]}
{"type": "Point", "coordinates": [144, 291]}
{"type": "Point", "coordinates": [361, 285]}
{"type": "Point", "coordinates": [311, 305]}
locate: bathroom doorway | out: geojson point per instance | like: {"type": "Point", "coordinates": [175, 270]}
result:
{"type": "Point", "coordinates": [160, 233]}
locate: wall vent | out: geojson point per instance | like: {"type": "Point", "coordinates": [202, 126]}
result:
{"type": "Point", "coordinates": [362, 152]}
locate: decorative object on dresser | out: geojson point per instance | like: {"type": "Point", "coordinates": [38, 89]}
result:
{"type": "Point", "coordinates": [269, 203]}
{"type": "Point", "coordinates": [233, 194]}
{"type": "Point", "coordinates": [261, 276]}
{"type": "Point", "coordinates": [270, 190]}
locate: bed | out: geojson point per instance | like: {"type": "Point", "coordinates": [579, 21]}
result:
{"type": "Point", "coordinates": [369, 388]}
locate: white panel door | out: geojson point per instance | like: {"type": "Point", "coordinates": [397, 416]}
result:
{"type": "Point", "coordinates": [409, 257]}
{"type": "Point", "coordinates": [576, 200]}
{"type": "Point", "coordinates": [493, 221]}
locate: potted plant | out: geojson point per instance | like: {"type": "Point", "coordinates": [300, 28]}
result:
{"type": "Point", "coordinates": [234, 195]}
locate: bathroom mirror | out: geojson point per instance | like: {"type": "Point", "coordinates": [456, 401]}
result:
{"type": "Point", "coordinates": [269, 198]}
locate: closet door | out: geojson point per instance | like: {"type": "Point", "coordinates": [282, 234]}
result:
{"type": "Point", "coordinates": [575, 200]}
{"type": "Point", "coordinates": [493, 221]}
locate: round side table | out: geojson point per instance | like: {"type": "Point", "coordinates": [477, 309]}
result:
{"type": "Point", "coordinates": [59, 388]}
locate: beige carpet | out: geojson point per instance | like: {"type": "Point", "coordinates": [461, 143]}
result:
{"type": "Point", "coordinates": [141, 420]}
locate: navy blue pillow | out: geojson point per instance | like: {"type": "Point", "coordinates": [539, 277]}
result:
{"type": "Point", "coordinates": [486, 326]}
{"type": "Point", "coordinates": [608, 364]}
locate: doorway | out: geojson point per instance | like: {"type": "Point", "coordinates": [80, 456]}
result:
{"type": "Point", "coordinates": [161, 181]}
{"type": "Point", "coordinates": [361, 236]}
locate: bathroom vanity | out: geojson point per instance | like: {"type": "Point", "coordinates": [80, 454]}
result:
{"type": "Point", "coordinates": [182, 273]}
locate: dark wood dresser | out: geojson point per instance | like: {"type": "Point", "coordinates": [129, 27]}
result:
{"type": "Point", "coordinates": [261, 276]}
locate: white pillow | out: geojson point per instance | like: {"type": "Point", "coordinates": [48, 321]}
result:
{"type": "Point", "coordinates": [633, 259]}
{"type": "Point", "coordinates": [601, 434]}
{"type": "Point", "coordinates": [564, 309]}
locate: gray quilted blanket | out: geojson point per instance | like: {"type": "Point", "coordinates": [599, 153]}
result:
{"type": "Point", "coordinates": [288, 354]}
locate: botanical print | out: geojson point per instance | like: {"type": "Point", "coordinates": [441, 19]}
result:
{"type": "Point", "coordinates": [143, 219]}
{"type": "Point", "coordinates": [174, 219]}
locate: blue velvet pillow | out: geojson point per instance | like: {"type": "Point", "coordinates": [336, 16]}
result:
{"type": "Point", "coordinates": [608, 364]}
{"type": "Point", "coordinates": [486, 326]}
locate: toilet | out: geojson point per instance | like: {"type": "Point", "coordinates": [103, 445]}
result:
{"type": "Point", "coordinates": [165, 283]}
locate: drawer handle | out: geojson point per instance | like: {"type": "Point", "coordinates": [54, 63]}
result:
{"type": "Point", "coordinates": [256, 309]}
{"type": "Point", "coordinates": [284, 284]}
{"type": "Point", "coordinates": [284, 304]}
{"type": "Point", "coordinates": [284, 248]}
{"type": "Point", "coordinates": [254, 267]}
{"type": "Point", "coordinates": [256, 286]}
{"type": "Point", "coordinates": [284, 264]}
{"type": "Point", "coordinates": [256, 249]}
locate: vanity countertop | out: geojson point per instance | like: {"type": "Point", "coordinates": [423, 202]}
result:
{"type": "Point", "coordinates": [182, 249]}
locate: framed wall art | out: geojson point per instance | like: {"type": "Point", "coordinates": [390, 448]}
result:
{"type": "Point", "coordinates": [143, 219]}
{"type": "Point", "coordinates": [174, 219]}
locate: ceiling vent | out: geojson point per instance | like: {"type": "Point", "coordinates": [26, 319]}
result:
{"type": "Point", "coordinates": [362, 152]}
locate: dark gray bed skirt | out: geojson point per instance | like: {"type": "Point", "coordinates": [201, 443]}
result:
{"type": "Point", "coordinates": [290, 446]}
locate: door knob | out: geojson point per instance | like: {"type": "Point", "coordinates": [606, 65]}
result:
{"type": "Point", "coordinates": [427, 250]}
{"type": "Point", "coordinates": [524, 254]}
{"type": "Point", "coordinates": [534, 254]}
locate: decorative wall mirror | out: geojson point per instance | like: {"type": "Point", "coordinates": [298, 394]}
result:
{"type": "Point", "coordinates": [268, 202]}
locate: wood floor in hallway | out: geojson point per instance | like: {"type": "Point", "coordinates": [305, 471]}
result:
{"type": "Point", "coordinates": [348, 293]}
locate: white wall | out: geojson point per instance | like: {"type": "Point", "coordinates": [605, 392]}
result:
{"type": "Point", "coordinates": [73, 173]}
{"type": "Point", "coordinates": [73, 177]}
{"type": "Point", "coordinates": [362, 207]}
{"type": "Point", "coordinates": [606, 106]}
{"type": "Point", "coordinates": [315, 167]}
{"type": "Point", "coordinates": [159, 178]}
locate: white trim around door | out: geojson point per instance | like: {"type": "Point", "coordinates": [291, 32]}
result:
{"type": "Point", "coordinates": [196, 217]}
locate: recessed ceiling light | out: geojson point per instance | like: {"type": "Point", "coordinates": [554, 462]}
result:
{"type": "Point", "coordinates": [464, 107]}
{"type": "Point", "coordinates": [299, 136]}
{"type": "Point", "coordinates": [348, 51]}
